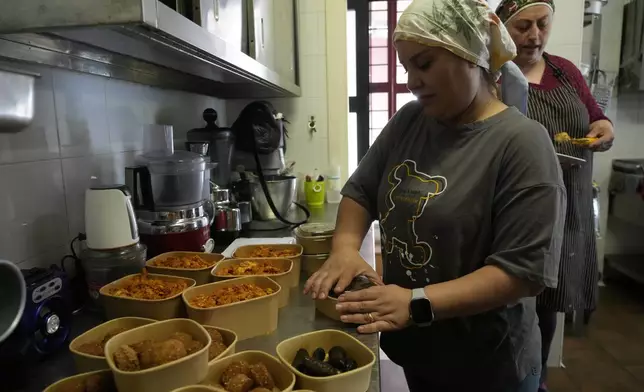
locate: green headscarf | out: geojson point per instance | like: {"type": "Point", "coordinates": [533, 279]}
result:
{"type": "Point", "coordinates": [467, 28]}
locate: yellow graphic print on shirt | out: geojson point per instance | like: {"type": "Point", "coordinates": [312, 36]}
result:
{"type": "Point", "coordinates": [406, 200]}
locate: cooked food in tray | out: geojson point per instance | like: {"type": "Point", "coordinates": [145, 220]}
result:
{"type": "Point", "coordinates": [270, 251]}
{"type": "Point", "coordinates": [149, 353]}
{"type": "Point", "coordinates": [250, 267]}
{"type": "Point", "coordinates": [241, 376]}
{"type": "Point", "coordinates": [323, 364]}
{"type": "Point", "coordinates": [150, 288]}
{"type": "Point", "coordinates": [97, 347]}
{"type": "Point", "coordinates": [184, 261]}
{"type": "Point", "coordinates": [93, 383]}
{"type": "Point", "coordinates": [229, 295]}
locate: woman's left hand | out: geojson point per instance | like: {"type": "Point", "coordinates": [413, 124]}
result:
{"type": "Point", "coordinates": [603, 130]}
{"type": "Point", "coordinates": [378, 308]}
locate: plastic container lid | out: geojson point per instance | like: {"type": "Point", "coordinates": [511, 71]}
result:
{"type": "Point", "coordinates": [180, 161]}
{"type": "Point", "coordinates": [309, 229]}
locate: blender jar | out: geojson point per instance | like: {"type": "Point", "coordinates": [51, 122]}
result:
{"type": "Point", "coordinates": [177, 180]}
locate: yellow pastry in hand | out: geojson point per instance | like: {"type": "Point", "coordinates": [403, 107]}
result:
{"type": "Point", "coordinates": [564, 137]}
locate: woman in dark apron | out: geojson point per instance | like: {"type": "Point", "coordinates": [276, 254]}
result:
{"type": "Point", "coordinates": [560, 100]}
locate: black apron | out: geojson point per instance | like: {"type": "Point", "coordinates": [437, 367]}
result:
{"type": "Point", "coordinates": [561, 110]}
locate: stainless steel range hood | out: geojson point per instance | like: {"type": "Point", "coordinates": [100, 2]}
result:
{"type": "Point", "coordinates": [145, 30]}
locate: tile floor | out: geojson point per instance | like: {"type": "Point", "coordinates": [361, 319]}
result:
{"type": "Point", "coordinates": [609, 355]}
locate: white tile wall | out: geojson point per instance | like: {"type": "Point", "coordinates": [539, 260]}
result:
{"type": "Point", "coordinates": [567, 31]}
{"type": "Point", "coordinates": [32, 209]}
{"type": "Point", "coordinates": [568, 22]}
{"type": "Point", "coordinates": [81, 115]}
{"type": "Point", "coordinates": [86, 130]}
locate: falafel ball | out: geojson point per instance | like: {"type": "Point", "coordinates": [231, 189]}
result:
{"type": "Point", "coordinates": [183, 337]}
{"type": "Point", "coordinates": [262, 377]}
{"type": "Point", "coordinates": [235, 368]}
{"type": "Point", "coordinates": [144, 349]}
{"type": "Point", "coordinates": [239, 383]}
{"type": "Point", "coordinates": [216, 348]}
{"type": "Point", "coordinates": [215, 335]}
{"type": "Point", "coordinates": [126, 359]}
{"type": "Point", "coordinates": [194, 346]}
{"type": "Point", "coordinates": [168, 351]}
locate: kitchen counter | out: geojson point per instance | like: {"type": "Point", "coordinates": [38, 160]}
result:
{"type": "Point", "coordinates": [297, 318]}
{"type": "Point", "coordinates": [300, 315]}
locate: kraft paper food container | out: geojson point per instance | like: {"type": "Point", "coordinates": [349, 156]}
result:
{"type": "Point", "coordinates": [160, 309]}
{"type": "Point", "coordinates": [312, 263]}
{"type": "Point", "coordinates": [200, 276]}
{"type": "Point", "coordinates": [284, 279]}
{"type": "Point", "coordinates": [357, 380]}
{"type": "Point", "coordinates": [189, 370]}
{"type": "Point", "coordinates": [230, 340]}
{"type": "Point", "coordinates": [245, 252]}
{"type": "Point", "coordinates": [86, 362]}
{"type": "Point", "coordinates": [74, 383]}
{"type": "Point", "coordinates": [284, 378]}
{"type": "Point", "coordinates": [250, 318]}
{"type": "Point", "coordinates": [327, 307]}
{"type": "Point", "coordinates": [314, 241]}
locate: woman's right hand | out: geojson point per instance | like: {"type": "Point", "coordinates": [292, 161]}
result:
{"type": "Point", "coordinates": [339, 270]}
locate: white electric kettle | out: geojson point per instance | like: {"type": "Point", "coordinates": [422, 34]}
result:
{"type": "Point", "coordinates": [13, 294]}
{"type": "Point", "coordinates": [109, 218]}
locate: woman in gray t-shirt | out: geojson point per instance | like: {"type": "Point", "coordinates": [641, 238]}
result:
{"type": "Point", "coordinates": [470, 201]}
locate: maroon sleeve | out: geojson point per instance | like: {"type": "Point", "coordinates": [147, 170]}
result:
{"type": "Point", "coordinates": [577, 81]}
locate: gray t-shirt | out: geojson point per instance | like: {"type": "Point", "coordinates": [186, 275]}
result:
{"type": "Point", "coordinates": [449, 201]}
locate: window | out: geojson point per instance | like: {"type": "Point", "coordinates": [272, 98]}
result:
{"type": "Point", "coordinates": [377, 81]}
{"type": "Point", "coordinates": [387, 79]}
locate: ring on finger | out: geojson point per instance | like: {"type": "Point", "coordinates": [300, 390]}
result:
{"type": "Point", "coordinates": [370, 318]}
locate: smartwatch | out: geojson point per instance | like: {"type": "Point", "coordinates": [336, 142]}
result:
{"type": "Point", "coordinates": [420, 308]}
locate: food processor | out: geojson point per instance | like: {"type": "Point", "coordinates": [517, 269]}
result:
{"type": "Point", "coordinates": [170, 196]}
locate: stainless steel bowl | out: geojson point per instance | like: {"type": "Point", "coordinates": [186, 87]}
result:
{"type": "Point", "coordinates": [13, 294]}
{"type": "Point", "coordinates": [283, 191]}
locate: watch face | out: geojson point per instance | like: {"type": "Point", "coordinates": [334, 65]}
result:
{"type": "Point", "coordinates": [421, 311]}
